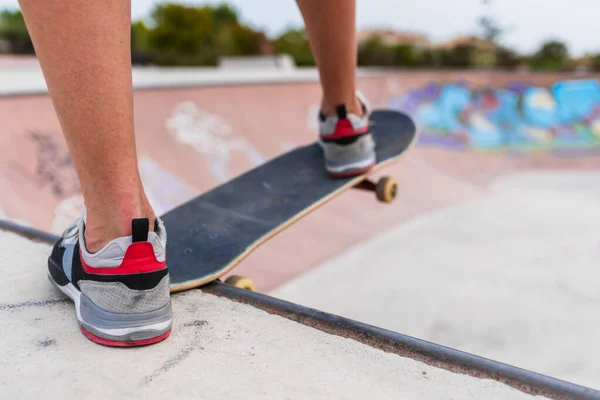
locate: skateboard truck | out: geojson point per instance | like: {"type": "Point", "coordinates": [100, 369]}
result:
{"type": "Point", "coordinates": [385, 189]}
{"type": "Point", "coordinates": [240, 282]}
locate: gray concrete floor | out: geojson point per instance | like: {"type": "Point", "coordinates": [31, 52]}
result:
{"type": "Point", "coordinates": [218, 350]}
{"type": "Point", "coordinates": [514, 276]}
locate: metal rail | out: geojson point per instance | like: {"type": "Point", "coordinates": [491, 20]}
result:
{"type": "Point", "coordinates": [407, 346]}
{"type": "Point", "coordinates": [33, 234]}
{"type": "Point", "coordinates": [393, 342]}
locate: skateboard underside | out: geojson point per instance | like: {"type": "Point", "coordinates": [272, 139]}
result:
{"type": "Point", "coordinates": [211, 234]}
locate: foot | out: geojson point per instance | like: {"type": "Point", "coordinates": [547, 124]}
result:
{"type": "Point", "coordinates": [347, 142]}
{"type": "Point", "coordinates": [121, 293]}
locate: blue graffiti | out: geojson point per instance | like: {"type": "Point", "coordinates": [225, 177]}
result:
{"type": "Point", "coordinates": [565, 115]}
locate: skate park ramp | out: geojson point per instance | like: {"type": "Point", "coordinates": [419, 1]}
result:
{"type": "Point", "coordinates": [489, 247]}
{"type": "Point", "coordinates": [222, 349]}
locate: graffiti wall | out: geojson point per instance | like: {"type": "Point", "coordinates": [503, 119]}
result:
{"type": "Point", "coordinates": [192, 139]}
{"type": "Point", "coordinates": [565, 115]}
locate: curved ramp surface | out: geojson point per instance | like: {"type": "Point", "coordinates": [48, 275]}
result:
{"type": "Point", "coordinates": [197, 128]}
{"type": "Point", "coordinates": [507, 276]}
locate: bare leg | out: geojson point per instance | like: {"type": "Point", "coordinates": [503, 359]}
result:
{"type": "Point", "coordinates": [84, 50]}
{"type": "Point", "coordinates": [331, 28]}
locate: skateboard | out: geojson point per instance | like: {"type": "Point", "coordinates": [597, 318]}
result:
{"type": "Point", "coordinates": [211, 234]}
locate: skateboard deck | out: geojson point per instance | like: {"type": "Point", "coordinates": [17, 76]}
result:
{"type": "Point", "coordinates": [211, 234]}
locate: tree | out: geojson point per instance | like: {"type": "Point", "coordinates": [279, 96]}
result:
{"type": "Point", "coordinates": [188, 35]}
{"type": "Point", "coordinates": [431, 58]}
{"type": "Point", "coordinates": [295, 43]}
{"type": "Point", "coordinates": [595, 63]}
{"type": "Point", "coordinates": [491, 29]}
{"type": "Point", "coordinates": [247, 41]}
{"type": "Point", "coordinates": [493, 32]}
{"type": "Point", "coordinates": [373, 52]}
{"type": "Point", "coordinates": [553, 50]}
{"type": "Point", "coordinates": [14, 31]}
{"type": "Point", "coordinates": [552, 55]}
{"type": "Point", "coordinates": [183, 35]}
{"type": "Point", "coordinates": [405, 55]}
{"type": "Point", "coordinates": [140, 45]}
{"type": "Point", "coordinates": [139, 36]}
{"type": "Point", "coordinates": [507, 58]}
{"type": "Point", "coordinates": [226, 15]}
{"type": "Point", "coordinates": [461, 56]}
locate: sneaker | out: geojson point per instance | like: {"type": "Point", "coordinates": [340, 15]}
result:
{"type": "Point", "coordinates": [121, 293]}
{"type": "Point", "coordinates": [347, 142]}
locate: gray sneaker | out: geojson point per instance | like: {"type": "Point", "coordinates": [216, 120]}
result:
{"type": "Point", "coordinates": [121, 293]}
{"type": "Point", "coordinates": [347, 142]}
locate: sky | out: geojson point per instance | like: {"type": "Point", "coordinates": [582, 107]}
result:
{"type": "Point", "coordinates": [530, 21]}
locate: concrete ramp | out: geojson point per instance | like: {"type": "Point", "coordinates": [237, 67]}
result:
{"type": "Point", "coordinates": [462, 284]}
{"type": "Point", "coordinates": [512, 276]}
{"type": "Point", "coordinates": [197, 128]}
{"type": "Point", "coordinates": [219, 349]}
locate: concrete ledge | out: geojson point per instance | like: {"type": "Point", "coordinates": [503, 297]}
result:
{"type": "Point", "coordinates": [24, 81]}
{"type": "Point", "coordinates": [218, 349]}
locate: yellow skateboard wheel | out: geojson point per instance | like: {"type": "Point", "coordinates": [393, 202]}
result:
{"type": "Point", "coordinates": [240, 282]}
{"type": "Point", "coordinates": [386, 189]}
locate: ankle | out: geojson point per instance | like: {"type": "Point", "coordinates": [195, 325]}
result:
{"type": "Point", "coordinates": [101, 228]}
{"type": "Point", "coordinates": [353, 106]}
{"type": "Point", "coordinates": [98, 235]}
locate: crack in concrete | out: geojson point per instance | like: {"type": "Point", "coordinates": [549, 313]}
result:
{"type": "Point", "coordinates": [32, 304]}
{"type": "Point", "coordinates": [182, 354]}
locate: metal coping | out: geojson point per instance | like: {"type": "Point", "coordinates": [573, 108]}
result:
{"type": "Point", "coordinates": [32, 234]}
{"type": "Point", "coordinates": [407, 346]}
{"type": "Point", "coordinates": [383, 339]}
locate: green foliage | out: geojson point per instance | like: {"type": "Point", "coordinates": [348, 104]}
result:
{"type": "Point", "coordinates": [460, 56]}
{"type": "Point", "coordinates": [507, 58]}
{"type": "Point", "coordinates": [140, 43]}
{"type": "Point", "coordinates": [553, 50]}
{"type": "Point", "coordinates": [139, 36]}
{"type": "Point", "coordinates": [406, 55]}
{"type": "Point", "coordinates": [295, 43]}
{"type": "Point", "coordinates": [14, 31]}
{"type": "Point", "coordinates": [247, 41]}
{"type": "Point", "coordinates": [492, 31]}
{"type": "Point", "coordinates": [225, 15]}
{"type": "Point", "coordinates": [595, 63]}
{"type": "Point", "coordinates": [551, 56]}
{"type": "Point", "coordinates": [373, 52]}
{"type": "Point", "coordinates": [431, 58]}
{"type": "Point", "coordinates": [186, 35]}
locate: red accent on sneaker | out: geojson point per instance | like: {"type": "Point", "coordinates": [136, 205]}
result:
{"type": "Point", "coordinates": [138, 259]}
{"type": "Point", "coordinates": [118, 343]}
{"type": "Point", "coordinates": [351, 173]}
{"type": "Point", "coordinates": [344, 129]}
